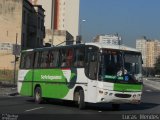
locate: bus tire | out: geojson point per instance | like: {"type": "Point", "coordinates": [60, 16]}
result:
{"type": "Point", "coordinates": [80, 101]}
{"type": "Point", "coordinates": [38, 95]}
{"type": "Point", "coordinates": [115, 106]}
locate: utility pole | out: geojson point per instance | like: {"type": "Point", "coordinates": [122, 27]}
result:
{"type": "Point", "coordinates": [52, 23]}
{"type": "Point", "coordinates": [15, 61]}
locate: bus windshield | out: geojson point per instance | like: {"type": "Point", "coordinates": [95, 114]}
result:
{"type": "Point", "coordinates": [120, 66]}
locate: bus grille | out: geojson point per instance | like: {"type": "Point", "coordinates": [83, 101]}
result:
{"type": "Point", "coordinates": [123, 95]}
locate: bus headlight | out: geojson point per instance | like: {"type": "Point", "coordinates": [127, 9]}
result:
{"type": "Point", "coordinates": [139, 79]}
{"type": "Point", "coordinates": [134, 95]}
{"type": "Point", "coordinates": [110, 94]}
{"type": "Point", "coordinates": [100, 91]}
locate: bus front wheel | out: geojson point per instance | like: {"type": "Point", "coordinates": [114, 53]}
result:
{"type": "Point", "coordinates": [38, 95]}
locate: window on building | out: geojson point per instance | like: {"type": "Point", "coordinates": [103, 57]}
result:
{"type": "Point", "coordinates": [39, 22]}
{"type": "Point", "coordinates": [42, 25]}
{"type": "Point", "coordinates": [23, 41]}
{"type": "Point", "coordinates": [37, 43]}
{"type": "Point", "coordinates": [7, 33]}
{"type": "Point", "coordinates": [24, 17]}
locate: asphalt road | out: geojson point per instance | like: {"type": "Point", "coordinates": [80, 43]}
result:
{"type": "Point", "coordinates": [26, 106]}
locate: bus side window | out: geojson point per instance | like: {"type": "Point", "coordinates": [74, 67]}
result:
{"type": "Point", "coordinates": [22, 64]}
{"type": "Point", "coordinates": [37, 60]}
{"type": "Point", "coordinates": [49, 59]}
{"type": "Point", "coordinates": [66, 57]}
{"type": "Point", "coordinates": [69, 57]}
{"type": "Point", "coordinates": [63, 58]}
{"type": "Point", "coordinates": [55, 59]}
{"type": "Point", "coordinates": [91, 63]}
{"type": "Point", "coordinates": [79, 57]}
{"type": "Point", "coordinates": [44, 59]}
{"type": "Point", "coordinates": [27, 60]}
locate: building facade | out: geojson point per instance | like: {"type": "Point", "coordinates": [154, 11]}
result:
{"type": "Point", "coordinates": [61, 37]}
{"type": "Point", "coordinates": [19, 22]}
{"type": "Point", "coordinates": [49, 11]}
{"type": "Point", "coordinates": [10, 30]}
{"type": "Point", "coordinates": [33, 30]}
{"type": "Point", "coordinates": [108, 39]}
{"type": "Point", "coordinates": [62, 15]}
{"type": "Point", "coordinates": [68, 16]}
{"type": "Point", "coordinates": [141, 46]}
{"type": "Point", "coordinates": [150, 50]}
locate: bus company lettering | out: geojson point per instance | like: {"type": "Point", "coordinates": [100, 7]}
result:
{"type": "Point", "coordinates": [51, 77]}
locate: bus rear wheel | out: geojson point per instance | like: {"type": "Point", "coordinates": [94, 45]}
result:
{"type": "Point", "coordinates": [80, 99]}
{"type": "Point", "coordinates": [38, 95]}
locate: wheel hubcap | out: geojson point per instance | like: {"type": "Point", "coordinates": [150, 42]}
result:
{"type": "Point", "coordinates": [78, 99]}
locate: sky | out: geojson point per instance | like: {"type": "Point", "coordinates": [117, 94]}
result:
{"type": "Point", "coordinates": [131, 19]}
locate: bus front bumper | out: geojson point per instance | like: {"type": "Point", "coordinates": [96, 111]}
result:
{"type": "Point", "coordinates": [119, 97]}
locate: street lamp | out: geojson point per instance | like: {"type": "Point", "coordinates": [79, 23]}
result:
{"type": "Point", "coordinates": [80, 27]}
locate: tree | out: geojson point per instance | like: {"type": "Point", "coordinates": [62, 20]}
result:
{"type": "Point", "coordinates": [157, 66]}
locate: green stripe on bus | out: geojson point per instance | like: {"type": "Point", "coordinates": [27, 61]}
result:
{"type": "Point", "coordinates": [47, 75]}
{"type": "Point", "coordinates": [127, 87]}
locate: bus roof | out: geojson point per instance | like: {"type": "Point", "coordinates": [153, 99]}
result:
{"type": "Point", "coordinates": [97, 44]}
{"type": "Point", "coordinates": [111, 46]}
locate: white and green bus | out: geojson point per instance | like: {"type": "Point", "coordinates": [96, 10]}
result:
{"type": "Point", "coordinates": [85, 73]}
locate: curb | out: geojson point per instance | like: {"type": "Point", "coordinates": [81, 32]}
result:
{"type": "Point", "coordinates": [13, 94]}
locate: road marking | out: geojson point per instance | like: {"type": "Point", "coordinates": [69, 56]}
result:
{"type": "Point", "coordinates": [34, 109]}
{"type": "Point", "coordinates": [149, 90]}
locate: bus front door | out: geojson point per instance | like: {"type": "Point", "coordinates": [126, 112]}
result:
{"type": "Point", "coordinates": [92, 91]}
{"type": "Point", "coordinates": [92, 75]}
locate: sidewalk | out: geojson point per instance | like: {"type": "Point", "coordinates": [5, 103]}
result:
{"type": "Point", "coordinates": [7, 89]}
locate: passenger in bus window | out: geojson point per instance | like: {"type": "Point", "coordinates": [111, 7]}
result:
{"type": "Point", "coordinates": [69, 58]}
{"type": "Point", "coordinates": [28, 62]}
{"type": "Point", "coordinates": [47, 60]}
{"type": "Point", "coordinates": [63, 63]}
{"type": "Point", "coordinates": [80, 62]}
